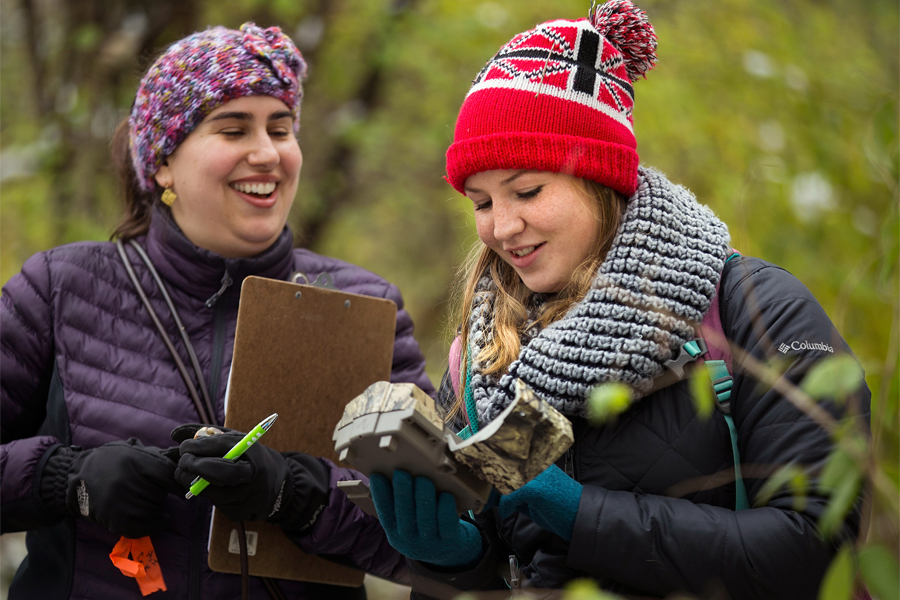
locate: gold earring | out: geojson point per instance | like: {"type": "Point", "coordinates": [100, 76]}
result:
{"type": "Point", "coordinates": [168, 197]}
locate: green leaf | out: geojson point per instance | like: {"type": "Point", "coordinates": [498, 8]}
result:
{"type": "Point", "coordinates": [841, 479]}
{"type": "Point", "coordinates": [835, 377]}
{"type": "Point", "coordinates": [838, 582]}
{"type": "Point", "coordinates": [839, 505]}
{"type": "Point", "coordinates": [702, 393]}
{"type": "Point", "coordinates": [839, 467]}
{"type": "Point", "coordinates": [586, 589]}
{"type": "Point", "coordinates": [799, 484]}
{"type": "Point", "coordinates": [790, 475]}
{"type": "Point", "coordinates": [608, 401]}
{"type": "Point", "coordinates": [880, 571]}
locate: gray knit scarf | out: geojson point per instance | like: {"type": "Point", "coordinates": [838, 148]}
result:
{"type": "Point", "coordinates": [654, 286]}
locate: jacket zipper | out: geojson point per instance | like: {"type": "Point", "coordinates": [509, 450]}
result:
{"type": "Point", "coordinates": [570, 462]}
{"type": "Point", "coordinates": [218, 352]}
{"type": "Point", "coordinates": [226, 282]}
{"type": "Point", "coordinates": [515, 575]}
{"type": "Point", "coordinates": [215, 367]}
{"type": "Point", "coordinates": [218, 349]}
{"type": "Point", "coordinates": [569, 466]}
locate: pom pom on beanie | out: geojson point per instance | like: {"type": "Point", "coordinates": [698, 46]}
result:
{"type": "Point", "coordinates": [628, 29]}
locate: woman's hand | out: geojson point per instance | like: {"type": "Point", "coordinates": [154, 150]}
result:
{"type": "Point", "coordinates": [422, 525]}
{"type": "Point", "coordinates": [121, 486]}
{"type": "Point", "coordinates": [551, 500]}
{"type": "Point", "coordinates": [248, 488]}
{"type": "Point", "coordinates": [289, 489]}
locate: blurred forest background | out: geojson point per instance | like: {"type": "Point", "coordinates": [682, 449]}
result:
{"type": "Point", "coordinates": [781, 115]}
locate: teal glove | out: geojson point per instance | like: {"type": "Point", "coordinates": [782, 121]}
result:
{"type": "Point", "coordinates": [551, 500]}
{"type": "Point", "coordinates": [422, 525]}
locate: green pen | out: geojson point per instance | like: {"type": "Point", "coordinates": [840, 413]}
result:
{"type": "Point", "coordinates": [199, 484]}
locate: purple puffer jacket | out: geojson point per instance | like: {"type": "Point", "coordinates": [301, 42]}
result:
{"type": "Point", "coordinates": [82, 364]}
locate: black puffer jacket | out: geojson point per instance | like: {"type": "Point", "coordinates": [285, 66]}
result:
{"type": "Point", "coordinates": [652, 521]}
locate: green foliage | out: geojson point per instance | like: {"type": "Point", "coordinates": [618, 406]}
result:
{"type": "Point", "coordinates": [836, 377]}
{"type": "Point", "coordinates": [791, 476]}
{"type": "Point", "coordinates": [879, 571]}
{"type": "Point", "coordinates": [607, 401]}
{"type": "Point", "coordinates": [841, 480]}
{"type": "Point", "coordinates": [838, 582]}
{"type": "Point", "coordinates": [586, 589]}
{"type": "Point", "coordinates": [791, 138]}
{"type": "Point", "coordinates": [702, 393]}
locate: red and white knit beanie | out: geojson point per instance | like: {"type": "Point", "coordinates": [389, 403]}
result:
{"type": "Point", "coordinates": [559, 98]}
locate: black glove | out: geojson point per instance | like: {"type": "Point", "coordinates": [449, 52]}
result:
{"type": "Point", "coordinates": [121, 485]}
{"type": "Point", "coordinates": [287, 489]}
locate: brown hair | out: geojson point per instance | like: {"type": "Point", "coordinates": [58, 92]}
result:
{"type": "Point", "coordinates": [138, 203]}
{"type": "Point", "coordinates": [510, 312]}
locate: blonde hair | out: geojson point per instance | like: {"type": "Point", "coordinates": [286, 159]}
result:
{"type": "Point", "coordinates": [512, 297]}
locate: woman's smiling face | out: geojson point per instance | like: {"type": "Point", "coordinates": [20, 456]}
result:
{"type": "Point", "coordinates": [235, 176]}
{"type": "Point", "coordinates": [539, 222]}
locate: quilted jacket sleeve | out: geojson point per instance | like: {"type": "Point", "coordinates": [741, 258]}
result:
{"type": "Point", "coordinates": [409, 363]}
{"type": "Point", "coordinates": [26, 364]}
{"type": "Point", "coordinates": [346, 534]}
{"type": "Point", "coordinates": [772, 551]}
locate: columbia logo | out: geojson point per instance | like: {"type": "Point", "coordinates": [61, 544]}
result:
{"type": "Point", "coordinates": [785, 348]}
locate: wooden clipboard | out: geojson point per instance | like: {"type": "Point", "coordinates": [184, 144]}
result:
{"type": "Point", "coordinates": [304, 352]}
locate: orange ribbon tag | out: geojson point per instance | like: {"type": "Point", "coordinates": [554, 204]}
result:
{"type": "Point", "coordinates": [142, 565]}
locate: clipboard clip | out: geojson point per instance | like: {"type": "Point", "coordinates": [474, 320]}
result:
{"type": "Point", "coordinates": [322, 280]}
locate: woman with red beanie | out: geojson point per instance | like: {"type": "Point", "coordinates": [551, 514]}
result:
{"type": "Point", "coordinates": [592, 269]}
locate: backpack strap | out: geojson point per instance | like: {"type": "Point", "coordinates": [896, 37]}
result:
{"type": "Point", "coordinates": [455, 366]}
{"type": "Point", "coordinates": [719, 364]}
{"type": "Point", "coordinates": [711, 350]}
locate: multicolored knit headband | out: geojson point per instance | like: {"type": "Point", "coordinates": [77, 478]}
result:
{"type": "Point", "coordinates": [559, 98]}
{"type": "Point", "coordinates": [202, 72]}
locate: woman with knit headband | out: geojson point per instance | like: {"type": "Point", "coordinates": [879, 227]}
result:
{"type": "Point", "coordinates": [592, 269]}
{"type": "Point", "coordinates": [92, 388]}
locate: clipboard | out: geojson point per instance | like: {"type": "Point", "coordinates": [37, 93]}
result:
{"type": "Point", "coordinates": [304, 352]}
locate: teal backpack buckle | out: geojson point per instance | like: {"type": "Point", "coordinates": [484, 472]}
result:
{"type": "Point", "coordinates": [689, 353]}
{"type": "Point", "coordinates": [718, 371]}
{"type": "Point", "coordinates": [721, 382]}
